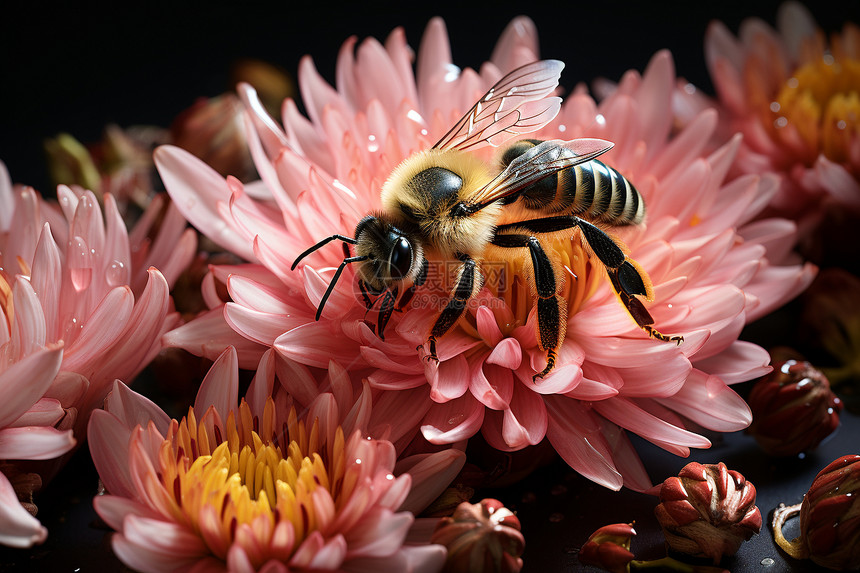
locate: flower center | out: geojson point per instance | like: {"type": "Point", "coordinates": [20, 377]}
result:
{"type": "Point", "coordinates": [246, 485]}
{"type": "Point", "coordinates": [508, 278]}
{"type": "Point", "coordinates": [821, 102]}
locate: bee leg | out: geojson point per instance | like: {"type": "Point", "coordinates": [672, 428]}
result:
{"type": "Point", "coordinates": [469, 279]}
{"type": "Point", "coordinates": [365, 296]}
{"type": "Point", "coordinates": [410, 292]}
{"type": "Point", "coordinates": [625, 275]}
{"type": "Point", "coordinates": [627, 279]}
{"type": "Point", "coordinates": [551, 308]}
{"type": "Point", "coordinates": [385, 310]}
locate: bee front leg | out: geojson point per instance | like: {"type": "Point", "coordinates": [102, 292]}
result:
{"type": "Point", "coordinates": [551, 308]}
{"type": "Point", "coordinates": [385, 310]}
{"type": "Point", "coordinates": [468, 282]}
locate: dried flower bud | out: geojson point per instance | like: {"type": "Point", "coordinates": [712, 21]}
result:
{"type": "Point", "coordinates": [831, 321]}
{"type": "Point", "coordinates": [793, 409]}
{"type": "Point", "coordinates": [829, 518]}
{"type": "Point", "coordinates": [609, 548]}
{"type": "Point", "coordinates": [481, 537]}
{"type": "Point", "coordinates": [213, 130]}
{"type": "Point", "coordinates": [707, 511]}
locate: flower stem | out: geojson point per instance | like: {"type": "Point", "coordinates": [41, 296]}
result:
{"type": "Point", "coordinates": [795, 548]}
{"type": "Point", "coordinates": [670, 564]}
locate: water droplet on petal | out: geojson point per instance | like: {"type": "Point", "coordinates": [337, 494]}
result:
{"type": "Point", "coordinates": [454, 420]}
{"type": "Point", "coordinates": [116, 274]}
{"type": "Point", "coordinates": [767, 561]}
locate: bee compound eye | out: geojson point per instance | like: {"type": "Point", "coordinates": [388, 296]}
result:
{"type": "Point", "coordinates": [400, 260]}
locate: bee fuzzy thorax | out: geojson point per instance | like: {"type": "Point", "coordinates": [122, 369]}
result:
{"type": "Point", "coordinates": [425, 188]}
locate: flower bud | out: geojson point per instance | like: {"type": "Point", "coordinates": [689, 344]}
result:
{"type": "Point", "coordinates": [793, 409]}
{"type": "Point", "coordinates": [483, 536]}
{"type": "Point", "coordinates": [707, 511]}
{"type": "Point", "coordinates": [609, 548]}
{"type": "Point", "coordinates": [213, 130]}
{"type": "Point", "coordinates": [829, 518]}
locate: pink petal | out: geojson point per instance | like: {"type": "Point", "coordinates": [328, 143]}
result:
{"type": "Point", "coordinates": [260, 327]}
{"type": "Point", "coordinates": [29, 332]}
{"type": "Point", "coordinates": [113, 509]}
{"type": "Point", "coordinates": [313, 344]}
{"type": "Point", "coordinates": [739, 362]}
{"type": "Point", "coordinates": [196, 190]}
{"type": "Point", "coordinates": [379, 537]}
{"type": "Point", "coordinates": [453, 421]}
{"type": "Point", "coordinates": [132, 409]}
{"type": "Point", "coordinates": [17, 527]}
{"type": "Point", "coordinates": [220, 387]}
{"type": "Point", "coordinates": [34, 443]}
{"type": "Point", "coordinates": [568, 431]}
{"type": "Point", "coordinates": [208, 335]}
{"type": "Point", "coordinates": [45, 412]}
{"type": "Point", "coordinates": [451, 379]}
{"type": "Point", "coordinates": [706, 400]}
{"type": "Point", "coordinates": [430, 476]}
{"type": "Point", "coordinates": [38, 370]}
{"type": "Point", "coordinates": [507, 354]}
{"type": "Point", "coordinates": [628, 415]}
{"type": "Point", "coordinates": [492, 385]}
{"type": "Point", "coordinates": [108, 440]}
{"type": "Point", "coordinates": [101, 329]}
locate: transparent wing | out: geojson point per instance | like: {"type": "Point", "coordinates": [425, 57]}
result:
{"type": "Point", "coordinates": [516, 104]}
{"type": "Point", "coordinates": [538, 162]}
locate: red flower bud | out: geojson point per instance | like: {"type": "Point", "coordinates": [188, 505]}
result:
{"type": "Point", "coordinates": [481, 537]}
{"type": "Point", "coordinates": [793, 409]}
{"type": "Point", "coordinates": [829, 518]}
{"type": "Point", "coordinates": [707, 511]}
{"type": "Point", "coordinates": [609, 548]}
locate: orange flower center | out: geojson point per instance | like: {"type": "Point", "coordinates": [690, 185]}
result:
{"type": "Point", "coordinates": [247, 486]}
{"type": "Point", "coordinates": [821, 102]}
{"type": "Point", "coordinates": [508, 276]}
{"type": "Point", "coordinates": [6, 303]}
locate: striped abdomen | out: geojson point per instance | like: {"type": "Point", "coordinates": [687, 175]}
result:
{"type": "Point", "coordinates": [592, 190]}
{"type": "Point", "coordinates": [600, 193]}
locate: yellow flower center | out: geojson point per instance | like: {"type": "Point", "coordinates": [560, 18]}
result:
{"type": "Point", "coordinates": [822, 103]}
{"type": "Point", "coordinates": [238, 487]}
{"type": "Point", "coordinates": [6, 302]}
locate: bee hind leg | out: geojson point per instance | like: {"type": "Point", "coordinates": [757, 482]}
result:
{"type": "Point", "coordinates": [468, 282]}
{"type": "Point", "coordinates": [551, 308]}
{"type": "Point", "coordinates": [625, 286]}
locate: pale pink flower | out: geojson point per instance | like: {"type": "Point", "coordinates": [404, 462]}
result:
{"type": "Point", "coordinates": [713, 271]}
{"type": "Point", "coordinates": [793, 96]}
{"type": "Point", "coordinates": [81, 306]}
{"type": "Point", "coordinates": [256, 486]}
{"type": "Point", "coordinates": [28, 415]}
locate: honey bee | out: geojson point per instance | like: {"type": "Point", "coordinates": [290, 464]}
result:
{"type": "Point", "coordinates": [445, 204]}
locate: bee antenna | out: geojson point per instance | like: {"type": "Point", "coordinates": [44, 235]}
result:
{"type": "Point", "coordinates": [336, 276]}
{"type": "Point", "coordinates": [322, 243]}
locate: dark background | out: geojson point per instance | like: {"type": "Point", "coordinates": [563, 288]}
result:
{"type": "Point", "coordinates": [75, 69]}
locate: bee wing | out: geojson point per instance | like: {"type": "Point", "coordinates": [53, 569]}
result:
{"type": "Point", "coordinates": [538, 162]}
{"type": "Point", "coordinates": [516, 104]}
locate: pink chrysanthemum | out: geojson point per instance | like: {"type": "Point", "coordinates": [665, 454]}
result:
{"type": "Point", "coordinates": [254, 486]}
{"type": "Point", "coordinates": [794, 98]}
{"type": "Point", "coordinates": [79, 309]}
{"type": "Point", "coordinates": [712, 270]}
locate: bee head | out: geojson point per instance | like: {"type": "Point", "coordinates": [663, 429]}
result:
{"type": "Point", "coordinates": [393, 255]}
